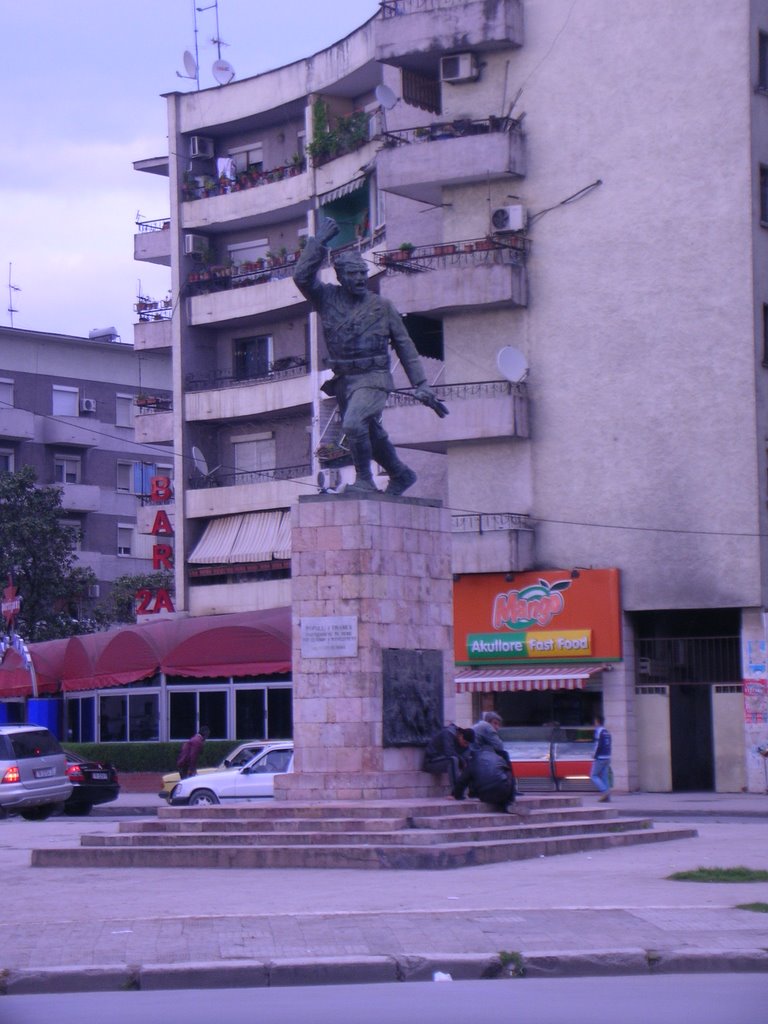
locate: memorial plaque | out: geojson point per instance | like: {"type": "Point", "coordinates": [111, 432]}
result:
{"type": "Point", "coordinates": [329, 636]}
{"type": "Point", "coordinates": [412, 697]}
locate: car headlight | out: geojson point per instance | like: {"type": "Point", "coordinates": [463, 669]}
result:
{"type": "Point", "coordinates": [176, 791]}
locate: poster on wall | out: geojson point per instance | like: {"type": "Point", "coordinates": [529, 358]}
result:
{"type": "Point", "coordinates": [756, 701]}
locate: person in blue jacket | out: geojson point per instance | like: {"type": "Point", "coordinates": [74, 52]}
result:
{"type": "Point", "coordinates": [601, 760]}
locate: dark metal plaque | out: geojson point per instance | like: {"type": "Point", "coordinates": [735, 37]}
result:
{"type": "Point", "coordinates": [412, 697]}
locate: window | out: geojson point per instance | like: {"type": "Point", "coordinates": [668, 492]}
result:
{"type": "Point", "coordinates": [248, 252]}
{"type": "Point", "coordinates": [6, 460]}
{"type": "Point", "coordinates": [190, 709]}
{"type": "Point", "coordinates": [248, 157]}
{"type": "Point", "coordinates": [253, 357]}
{"type": "Point", "coordinates": [65, 401]}
{"type": "Point", "coordinates": [81, 725]}
{"type": "Point", "coordinates": [66, 469]}
{"type": "Point", "coordinates": [765, 334]}
{"type": "Point", "coordinates": [762, 61]}
{"type": "Point", "coordinates": [6, 393]}
{"type": "Point", "coordinates": [124, 411]}
{"type": "Point", "coordinates": [125, 477]}
{"type": "Point", "coordinates": [125, 538]}
{"type": "Point", "coordinates": [77, 532]}
{"type": "Point", "coordinates": [254, 453]}
{"type": "Point", "coordinates": [763, 194]}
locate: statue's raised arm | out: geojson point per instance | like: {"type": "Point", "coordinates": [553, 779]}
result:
{"type": "Point", "coordinates": [359, 327]}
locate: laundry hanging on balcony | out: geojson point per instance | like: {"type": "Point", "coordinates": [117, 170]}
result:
{"type": "Point", "coordinates": [250, 537]}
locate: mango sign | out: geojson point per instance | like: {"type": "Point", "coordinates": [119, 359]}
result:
{"type": "Point", "coordinates": [552, 615]}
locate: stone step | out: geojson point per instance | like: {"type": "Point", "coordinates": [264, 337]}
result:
{"type": "Point", "coordinates": [370, 856]}
{"type": "Point", "coordinates": [508, 829]}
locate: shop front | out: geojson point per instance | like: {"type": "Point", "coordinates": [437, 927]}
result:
{"type": "Point", "coordinates": [534, 646]}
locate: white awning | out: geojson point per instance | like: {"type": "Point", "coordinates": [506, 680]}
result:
{"type": "Point", "coordinates": [251, 537]}
{"type": "Point", "coordinates": [525, 678]}
{"type": "Point", "coordinates": [343, 190]}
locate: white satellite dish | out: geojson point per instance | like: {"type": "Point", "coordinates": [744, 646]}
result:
{"type": "Point", "coordinates": [512, 364]}
{"type": "Point", "coordinates": [385, 96]}
{"type": "Point", "coordinates": [223, 72]}
{"type": "Point", "coordinates": [201, 464]}
{"type": "Point", "coordinates": [190, 64]}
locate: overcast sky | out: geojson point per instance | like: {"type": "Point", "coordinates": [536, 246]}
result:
{"type": "Point", "coordinates": [80, 87]}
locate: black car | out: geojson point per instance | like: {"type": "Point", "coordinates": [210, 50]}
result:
{"type": "Point", "coordinates": [93, 782]}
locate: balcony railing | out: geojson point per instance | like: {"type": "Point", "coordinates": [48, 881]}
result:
{"type": "Point", "coordinates": [149, 309]}
{"type": "Point", "coordinates": [449, 392]}
{"type": "Point", "coordinates": [486, 522]}
{"type": "Point", "coordinates": [281, 369]}
{"type": "Point", "coordinates": [250, 178]}
{"type": "Point", "coordinates": [163, 224]}
{"type": "Point", "coordinates": [451, 130]}
{"type": "Point", "coordinates": [511, 249]}
{"type": "Point", "coordinates": [260, 476]}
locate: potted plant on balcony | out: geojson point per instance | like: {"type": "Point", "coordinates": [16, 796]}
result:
{"type": "Point", "coordinates": [403, 252]}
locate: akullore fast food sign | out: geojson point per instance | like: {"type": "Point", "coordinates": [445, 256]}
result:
{"type": "Point", "coordinates": [554, 615]}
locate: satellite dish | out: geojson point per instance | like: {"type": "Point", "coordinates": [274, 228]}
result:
{"type": "Point", "coordinates": [223, 72]}
{"type": "Point", "coordinates": [201, 464]}
{"type": "Point", "coordinates": [512, 364]}
{"type": "Point", "coordinates": [385, 96]}
{"type": "Point", "coordinates": [190, 64]}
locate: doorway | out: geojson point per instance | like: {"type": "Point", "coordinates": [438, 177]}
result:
{"type": "Point", "coordinates": [690, 713]}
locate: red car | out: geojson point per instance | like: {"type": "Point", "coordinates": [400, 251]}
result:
{"type": "Point", "coordinates": [93, 782]}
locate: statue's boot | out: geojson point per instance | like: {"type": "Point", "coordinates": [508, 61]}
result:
{"type": "Point", "coordinates": [361, 458]}
{"type": "Point", "coordinates": [401, 477]}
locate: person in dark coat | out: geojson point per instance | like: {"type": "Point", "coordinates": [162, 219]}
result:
{"type": "Point", "coordinates": [190, 752]}
{"type": "Point", "coordinates": [489, 777]}
{"type": "Point", "coordinates": [446, 752]}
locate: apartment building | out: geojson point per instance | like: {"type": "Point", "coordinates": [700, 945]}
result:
{"type": "Point", "coordinates": [568, 202]}
{"type": "Point", "coordinates": [69, 408]}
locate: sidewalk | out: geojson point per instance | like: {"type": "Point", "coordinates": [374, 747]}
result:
{"type": "Point", "coordinates": [611, 911]}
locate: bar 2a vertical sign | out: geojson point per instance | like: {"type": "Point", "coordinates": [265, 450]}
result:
{"type": "Point", "coordinates": [149, 601]}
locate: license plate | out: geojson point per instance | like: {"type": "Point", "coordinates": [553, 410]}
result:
{"type": "Point", "coordinates": [99, 775]}
{"type": "Point", "coordinates": [44, 773]}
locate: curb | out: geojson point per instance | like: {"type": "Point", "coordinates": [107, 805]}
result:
{"type": "Point", "coordinates": [375, 969]}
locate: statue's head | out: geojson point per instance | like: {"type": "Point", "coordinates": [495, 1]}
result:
{"type": "Point", "coordinates": [352, 272]}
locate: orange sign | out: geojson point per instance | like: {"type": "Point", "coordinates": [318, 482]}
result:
{"type": "Point", "coordinates": [552, 615]}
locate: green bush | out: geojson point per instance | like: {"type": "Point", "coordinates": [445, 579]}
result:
{"type": "Point", "coordinates": [150, 757]}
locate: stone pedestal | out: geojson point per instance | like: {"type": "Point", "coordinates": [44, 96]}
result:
{"type": "Point", "coordinates": [381, 566]}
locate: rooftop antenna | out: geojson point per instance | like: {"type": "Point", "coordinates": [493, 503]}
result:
{"type": "Point", "coordinates": [221, 69]}
{"type": "Point", "coordinates": [11, 289]}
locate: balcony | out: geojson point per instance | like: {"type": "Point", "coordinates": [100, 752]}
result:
{"type": "Point", "coordinates": [414, 34]}
{"type": "Point", "coordinates": [254, 199]}
{"type": "Point", "coordinates": [481, 411]}
{"type": "Point", "coordinates": [219, 296]}
{"type": "Point", "coordinates": [17, 424]}
{"type": "Point", "coordinates": [223, 397]}
{"type": "Point", "coordinates": [217, 598]}
{"type": "Point", "coordinates": [455, 277]}
{"type": "Point", "coordinates": [154, 425]}
{"type": "Point", "coordinates": [80, 497]}
{"type": "Point", "coordinates": [152, 242]}
{"type": "Point", "coordinates": [418, 162]}
{"type": "Point", "coordinates": [75, 431]}
{"type": "Point", "coordinates": [491, 542]}
{"type": "Point", "coordinates": [152, 334]}
{"type": "Point", "coordinates": [248, 492]}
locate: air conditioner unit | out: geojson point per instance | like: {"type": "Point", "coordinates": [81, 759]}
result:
{"type": "Point", "coordinates": [87, 405]}
{"type": "Point", "coordinates": [195, 245]}
{"type": "Point", "coordinates": [94, 590]}
{"type": "Point", "coordinates": [508, 218]}
{"type": "Point", "coordinates": [200, 147]}
{"type": "Point", "coordinates": [459, 67]}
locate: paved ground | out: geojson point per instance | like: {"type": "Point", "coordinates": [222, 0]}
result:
{"type": "Point", "coordinates": [611, 911]}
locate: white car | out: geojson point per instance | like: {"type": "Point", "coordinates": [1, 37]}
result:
{"type": "Point", "coordinates": [254, 781]}
{"type": "Point", "coordinates": [237, 758]}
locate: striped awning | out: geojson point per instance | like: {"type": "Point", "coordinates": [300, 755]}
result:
{"type": "Point", "coordinates": [250, 537]}
{"type": "Point", "coordinates": [504, 679]}
{"type": "Point", "coordinates": [343, 190]}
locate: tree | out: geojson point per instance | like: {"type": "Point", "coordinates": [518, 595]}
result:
{"type": "Point", "coordinates": [38, 551]}
{"type": "Point", "coordinates": [121, 605]}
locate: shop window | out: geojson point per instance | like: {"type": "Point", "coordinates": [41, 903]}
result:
{"type": "Point", "coordinates": [81, 719]}
{"type": "Point", "coordinates": [250, 714]}
{"type": "Point", "coordinates": [279, 713]}
{"type": "Point", "coordinates": [143, 717]}
{"type": "Point", "coordinates": [65, 401]}
{"type": "Point", "coordinates": [190, 709]}
{"type": "Point", "coordinates": [113, 721]}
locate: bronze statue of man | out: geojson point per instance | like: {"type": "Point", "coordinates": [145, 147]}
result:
{"type": "Point", "coordinates": [359, 327]}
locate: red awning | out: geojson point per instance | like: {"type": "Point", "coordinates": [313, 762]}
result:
{"type": "Point", "coordinates": [525, 678]}
{"type": "Point", "coordinates": [16, 680]}
{"type": "Point", "coordinates": [244, 644]}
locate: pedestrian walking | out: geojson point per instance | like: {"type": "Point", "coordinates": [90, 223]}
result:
{"type": "Point", "coordinates": [601, 760]}
{"type": "Point", "coordinates": [190, 752]}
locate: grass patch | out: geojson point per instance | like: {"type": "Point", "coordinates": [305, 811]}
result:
{"type": "Point", "coordinates": [757, 908]}
{"type": "Point", "coordinates": [738, 874]}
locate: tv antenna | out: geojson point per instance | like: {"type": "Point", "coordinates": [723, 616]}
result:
{"type": "Point", "coordinates": [11, 289]}
{"type": "Point", "coordinates": [222, 70]}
